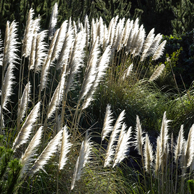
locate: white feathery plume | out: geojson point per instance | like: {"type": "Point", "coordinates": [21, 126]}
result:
{"type": "Point", "coordinates": [66, 49]}
{"type": "Point", "coordinates": [89, 96]}
{"type": "Point", "coordinates": [164, 132]}
{"type": "Point", "coordinates": [57, 97]}
{"type": "Point", "coordinates": [101, 71]}
{"type": "Point", "coordinates": [133, 33]}
{"type": "Point", "coordinates": [133, 42]}
{"type": "Point", "coordinates": [87, 30]}
{"type": "Point", "coordinates": [148, 154]}
{"type": "Point", "coordinates": [129, 32]}
{"type": "Point", "coordinates": [46, 65]}
{"type": "Point", "coordinates": [10, 45]}
{"type": "Point", "coordinates": [189, 151]}
{"type": "Point", "coordinates": [107, 128]}
{"type": "Point", "coordinates": [139, 139]}
{"type": "Point", "coordinates": [128, 71]}
{"type": "Point", "coordinates": [154, 45]}
{"type": "Point", "coordinates": [109, 30]}
{"type": "Point", "coordinates": [164, 140]}
{"type": "Point", "coordinates": [78, 51]}
{"type": "Point", "coordinates": [178, 151]}
{"type": "Point", "coordinates": [1, 49]}
{"type": "Point", "coordinates": [12, 56]}
{"type": "Point", "coordinates": [2, 116]}
{"type": "Point", "coordinates": [157, 72]}
{"type": "Point", "coordinates": [122, 132]}
{"type": "Point", "coordinates": [47, 153]}
{"type": "Point", "coordinates": [126, 31]}
{"type": "Point", "coordinates": [36, 25]}
{"type": "Point", "coordinates": [105, 39]}
{"type": "Point", "coordinates": [32, 57]}
{"type": "Point", "coordinates": [90, 72]}
{"type": "Point", "coordinates": [147, 43]}
{"type": "Point", "coordinates": [23, 103]}
{"type": "Point", "coordinates": [59, 41]}
{"type": "Point", "coordinates": [7, 85]}
{"type": "Point", "coordinates": [93, 31]}
{"type": "Point", "coordinates": [87, 148]}
{"type": "Point", "coordinates": [157, 156]}
{"type": "Point", "coordinates": [122, 146]}
{"type": "Point", "coordinates": [53, 21]}
{"type": "Point", "coordinates": [140, 42]}
{"type": "Point", "coordinates": [27, 127]}
{"type": "Point", "coordinates": [65, 148]}
{"type": "Point", "coordinates": [110, 149]}
{"type": "Point", "coordinates": [101, 31]}
{"type": "Point", "coordinates": [159, 51]}
{"type": "Point", "coordinates": [118, 35]}
{"type": "Point", "coordinates": [113, 30]}
{"type": "Point", "coordinates": [103, 64]}
{"type": "Point", "coordinates": [40, 52]}
{"type": "Point", "coordinates": [75, 28]}
{"type": "Point", "coordinates": [75, 173]}
{"type": "Point", "coordinates": [44, 73]}
{"type": "Point", "coordinates": [83, 158]}
{"type": "Point", "coordinates": [115, 38]}
{"type": "Point", "coordinates": [28, 34]}
{"type": "Point", "coordinates": [28, 157]}
{"type": "Point", "coordinates": [77, 58]}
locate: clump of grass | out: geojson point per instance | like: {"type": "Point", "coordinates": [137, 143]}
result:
{"type": "Point", "coordinates": [59, 74]}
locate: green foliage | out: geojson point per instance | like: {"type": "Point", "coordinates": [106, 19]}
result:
{"type": "Point", "coordinates": [108, 9]}
{"type": "Point", "coordinates": [155, 14]}
{"type": "Point", "coordinates": [190, 184]}
{"type": "Point", "coordinates": [183, 12]}
{"type": "Point", "coordinates": [183, 58]}
{"type": "Point", "coordinates": [9, 170]}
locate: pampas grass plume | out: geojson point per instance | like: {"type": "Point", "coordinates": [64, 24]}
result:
{"type": "Point", "coordinates": [110, 149]}
{"type": "Point", "coordinates": [157, 156]}
{"type": "Point", "coordinates": [83, 158]}
{"type": "Point", "coordinates": [189, 150]}
{"type": "Point", "coordinates": [28, 34]}
{"type": "Point", "coordinates": [147, 43]}
{"type": "Point", "coordinates": [47, 62]}
{"type": "Point", "coordinates": [65, 148]}
{"type": "Point", "coordinates": [107, 128]}
{"type": "Point", "coordinates": [26, 129]}
{"type": "Point", "coordinates": [178, 151]}
{"type": "Point", "coordinates": [57, 97]}
{"type": "Point", "coordinates": [123, 146]}
{"type": "Point", "coordinates": [128, 71]}
{"type": "Point", "coordinates": [157, 72]}
{"type": "Point", "coordinates": [139, 139]}
{"type": "Point", "coordinates": [7, 89]}
{"type": "Point", "coordinates": [29, 154]}
{"type": "Point", "coordinates": [53, 21]}
{"type": "Point", "coordinates": [148, 154]}
{"type": "Point", "coordinates": [23, 104]}
{"type": "Point", "coordinates": [158, 53]}
{"type": "Point", "coordinates": [47, 153]}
